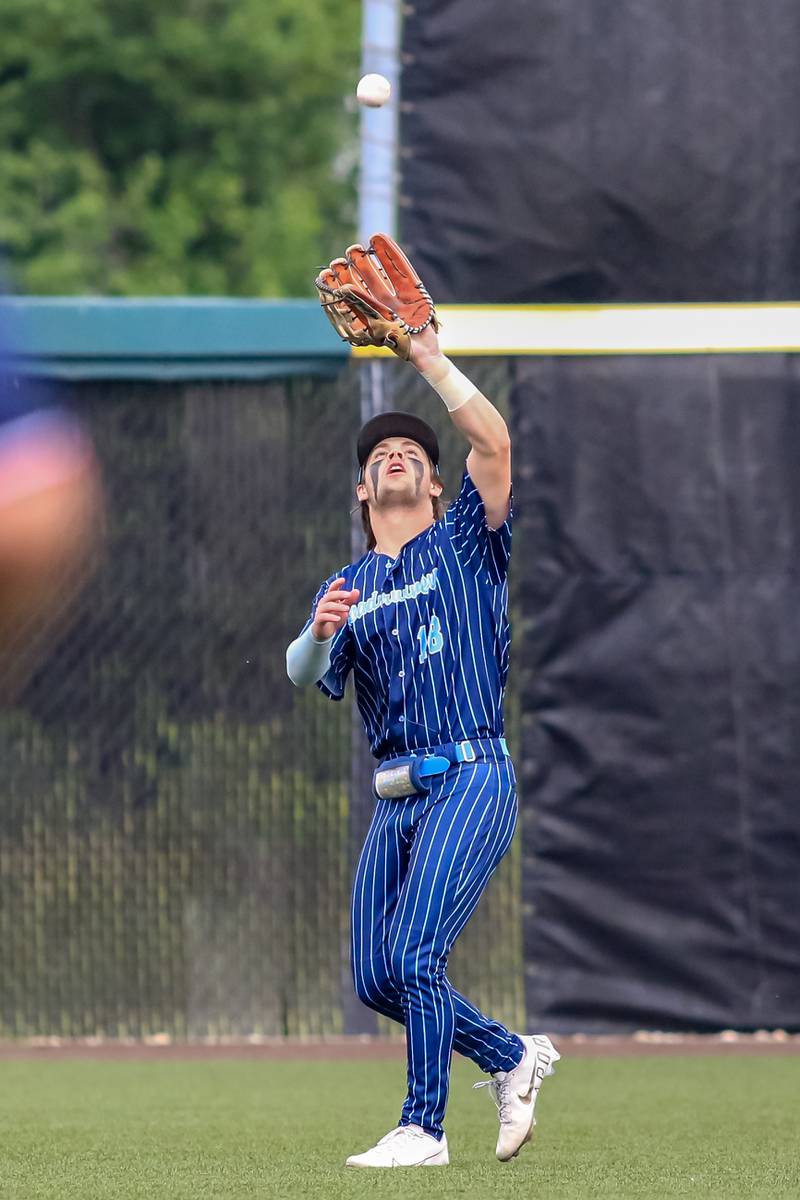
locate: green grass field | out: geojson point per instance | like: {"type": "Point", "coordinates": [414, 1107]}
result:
{"type": "Point", "coordinates": [647, 1127]}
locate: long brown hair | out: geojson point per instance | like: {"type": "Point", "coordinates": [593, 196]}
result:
{"type": "Point", "coordinates": [437, 504]}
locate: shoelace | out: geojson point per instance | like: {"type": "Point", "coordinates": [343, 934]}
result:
{"type": "Point", "coordinates": [500, 1092]}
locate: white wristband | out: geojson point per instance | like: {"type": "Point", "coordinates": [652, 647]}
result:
{"type": "Point", "coordinates": [453, 387]}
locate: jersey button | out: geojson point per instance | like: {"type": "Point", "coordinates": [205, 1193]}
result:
{"type": "Point", "coordinates": [401, 720]}
{"type": "Point", "coordinates": [401, 674]}
{"type": "Point", "coordinates": [395, 633]}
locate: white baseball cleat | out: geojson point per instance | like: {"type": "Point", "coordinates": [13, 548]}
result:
{"type": "Point", "coordinates": [515, 1094]}
{"type": "Point", "coordinates": [406, 1146]}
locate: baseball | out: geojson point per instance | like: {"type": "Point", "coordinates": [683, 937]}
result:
{"type": "Point", "coordinates": [373, 90]}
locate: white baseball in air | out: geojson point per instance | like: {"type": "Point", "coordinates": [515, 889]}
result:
{"type": "Point", "coordinates": [373, 90]}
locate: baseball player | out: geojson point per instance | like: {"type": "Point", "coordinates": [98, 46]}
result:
{"type": "Point", "coordinates": [421, 620]}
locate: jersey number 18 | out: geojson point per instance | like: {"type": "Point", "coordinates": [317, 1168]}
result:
{"type": "Point", "coordinates": [431, 639]}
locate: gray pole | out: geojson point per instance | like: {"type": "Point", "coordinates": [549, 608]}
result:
{"type": "Point", "coordinates": [380, 52]}
{"type": "Point", "coordinates": [377, 194]}
{"type": "Point", "coordinates": [377, 207]}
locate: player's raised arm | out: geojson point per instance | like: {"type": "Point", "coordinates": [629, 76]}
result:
{"type": "Point", "coordinates": [489, 461]}
{"type": "Point", "coordinates": [373, 296]}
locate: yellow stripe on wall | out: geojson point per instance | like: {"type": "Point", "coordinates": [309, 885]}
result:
{"type": "Point", "coordinates": [615, 329]}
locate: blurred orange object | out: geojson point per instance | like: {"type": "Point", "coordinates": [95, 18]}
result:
{"type": "Point", "coordinates": [50, 530]}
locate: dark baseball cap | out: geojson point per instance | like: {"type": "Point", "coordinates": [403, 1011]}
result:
{"type": "Point", "coordinates": [397, 424]}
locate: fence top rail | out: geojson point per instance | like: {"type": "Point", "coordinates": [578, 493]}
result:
{"type": "Point", "coordinates": [616, 329]}
{"type": "Point", "coordinates": [169, 338]}
{"type": "Point", "coordinates": [172, 338]}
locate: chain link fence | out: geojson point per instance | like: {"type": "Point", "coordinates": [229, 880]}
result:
{"type": "Point", "coordinates": [177, 821]}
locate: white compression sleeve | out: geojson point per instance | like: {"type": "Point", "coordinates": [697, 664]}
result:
{"type": "Point", "coordinates": [307, 660]}
{"type": "Point", "coordinates": [451, 384]}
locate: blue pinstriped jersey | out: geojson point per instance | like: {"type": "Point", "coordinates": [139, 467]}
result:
{"type": "Point", "coordinates": [428, 641]}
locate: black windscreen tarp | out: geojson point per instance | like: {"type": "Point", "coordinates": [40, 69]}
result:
{"type": "Point", "coordinates": [658, 552]}
{"type": "Point", "coordinates": [559, 150]}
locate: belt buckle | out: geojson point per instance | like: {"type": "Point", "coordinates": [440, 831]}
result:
{"type": "Point", "coordinates": [465, 752]}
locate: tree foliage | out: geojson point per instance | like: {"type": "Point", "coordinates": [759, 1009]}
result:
{"type": "Point", "coordinates": [187, 147]}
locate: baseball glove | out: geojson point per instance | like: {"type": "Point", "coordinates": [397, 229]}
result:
{"type": "Point", "coordinates": [374, 297]}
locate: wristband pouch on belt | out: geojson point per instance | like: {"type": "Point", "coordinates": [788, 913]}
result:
{"type": "Point", "coordinates": [410, 776]}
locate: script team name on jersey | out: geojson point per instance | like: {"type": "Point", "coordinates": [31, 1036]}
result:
{"type": "Point", "coordinates": [428, 644]}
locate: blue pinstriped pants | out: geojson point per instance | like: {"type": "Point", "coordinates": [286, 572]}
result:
{"type": "Point", "coordinates": [425, 863]}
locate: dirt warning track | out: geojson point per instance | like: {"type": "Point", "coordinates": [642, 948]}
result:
{"type": "Point", "coordinates": [162, 1049]}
